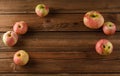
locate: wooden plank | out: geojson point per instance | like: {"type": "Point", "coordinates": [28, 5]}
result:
{"type": "Point", "coordinates": [59, 6]}
{"type": "Point", "coordinates": [54, 22]}
{"type": "Point", "coordinates": [62, 39]}
{"type": "Point", "coordinates": [62, 66]}
{"type": "Point", "coordinates": [59, 74]}
{"type": "Point", "coordinates": [92, 55]}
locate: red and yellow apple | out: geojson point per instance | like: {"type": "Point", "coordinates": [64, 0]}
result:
{"type": "Point", "coordinates": [93, 20]}
{"type": "Point", "coordinates": [21, 57]}
{"type": "Point", "coordinates": [10, 38]}
{"type": "Point", "coordinates": [109, 28]}
{"type": "Point", "coordinates": [41, 10]}
{"type": "Point", "coordinates": [104, 47]}
{"type": "Point", "coordinates": [20, 27]}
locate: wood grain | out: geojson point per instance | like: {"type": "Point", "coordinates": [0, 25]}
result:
{"type": "Point", "coordinates": [91, 55]}
{"type": "Point", "coordinates": [62, 39]}
{"type": "Point", "coordinates": [59, 74]}
{"type": "Point", "coordinates": [59, 6]}
{"type": "Point", "coordinates": [62, 66]}
{"type": "Point", "coordinates": [76, 59]}
{"type": "Point", "coordinates": [59, 44]}
{"type": "Point", "coordinates": [53, 22]}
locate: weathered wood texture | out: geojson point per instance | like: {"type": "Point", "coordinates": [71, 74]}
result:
{"type": "Point", "coordinates": [59, 43]}
{"type": "Point", "coordinates": [53, 22]}
{"type": "Point", "coordinates": [60, 6]}
{"type": "Point", "coordinates": [59, 75]}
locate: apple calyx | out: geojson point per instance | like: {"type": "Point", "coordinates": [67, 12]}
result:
{"type": "Point", "coordinates": [9, 35]}
{"type": "Point", "coordinates": [110, 24]}
{"type": "Point", "coordinates": [19, 26]}
{"type": "Point", "coordinates": [19, 55]}
{"type": "Point", "coordinates": [41, 7]}
{"type": "Point", "coordinates": [93, 15]}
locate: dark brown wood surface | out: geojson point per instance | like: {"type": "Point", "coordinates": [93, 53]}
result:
{"type": "Point", "coordinates": [59, 44]}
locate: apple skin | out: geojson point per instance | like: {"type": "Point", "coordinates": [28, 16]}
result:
{"type": "Point", "coordinates": [104, 47]}
{"type": "Point", "coordinates": [10, 38]}
{"type": "Point", "coordinates": [41, 10]}
{"type": "Point", "coordinates": [20, 27]}
{"type": "Point", "coordinates": [93, 20]}
{"type": "Point", "coordinates": [109, 28]}
{"type": "Point", "coordinates": [21, 57]}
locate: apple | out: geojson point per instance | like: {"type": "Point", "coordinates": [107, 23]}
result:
{"type": "Point", "coordinates": [109, 28]}
{"type": "Point", "coordinates": [21, 57]}
{"type": "Point", "coordinates": [41, 10]}
{"type": "Point", "coordinates": [20, 27]}
{"type": "Point", "coordinates": [93, 20]}
{"type": "Point", "coordinates": [10, 38]}
{"type": "Point", "coordinates": [104, 47]}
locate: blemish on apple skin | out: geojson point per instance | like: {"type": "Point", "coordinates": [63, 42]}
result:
{"type": "Point", "coordinates": [103, 46]}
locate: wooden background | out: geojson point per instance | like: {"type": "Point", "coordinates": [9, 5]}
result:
{"type": "Point", "coordinates": [59, 44]}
